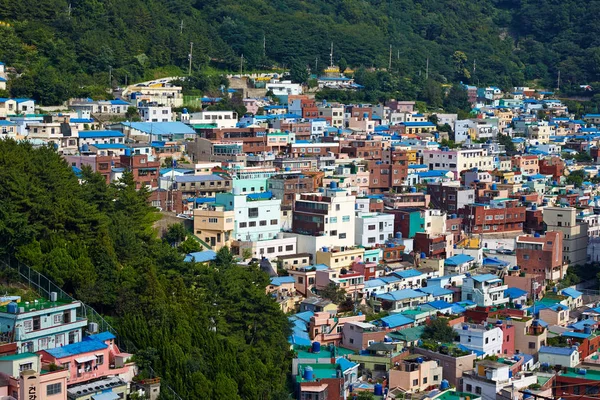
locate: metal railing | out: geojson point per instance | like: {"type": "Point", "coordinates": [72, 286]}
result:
{"type": "Point", "coordinates": [44, 286]}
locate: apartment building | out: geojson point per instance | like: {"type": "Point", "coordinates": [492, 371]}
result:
{"type": "Point", "coordinates": [542, 255]}
{"type": "Point", "coordinates": [575, 234]}
{"type": "Point", "coordinates": [458, 160]}
{"type": "Point", "coordinates": [214, 224]}
{"type": "Point", "coordinates": [373, 229]}
{"type": "Point", "coordinates": [484, 290]}
{"type": "Point", "coordinates": [480, 338]}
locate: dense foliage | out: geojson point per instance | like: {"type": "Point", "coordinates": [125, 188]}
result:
{"type": "Point", "coordinates": [210, 331]}
{"type": "Point", "coordinates": [439, 330]}
{"type": "Point", "coordinates": [66, 48]}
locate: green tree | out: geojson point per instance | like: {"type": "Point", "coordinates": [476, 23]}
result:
{"type": "Point", "coordinates": [457, 99]}
{"type": "Point", "coordinates": [299, 72]}
{"type": "Point", "coordinates": [132, 114]}
{"type": "Point", "coordinates": [343, 65]}
{"type": "Point", "coordinates": [439, 330]}
{"type": "Point", "coordinates": [576, 178]}
{"type": "Point", "coordinates": [334, 293]}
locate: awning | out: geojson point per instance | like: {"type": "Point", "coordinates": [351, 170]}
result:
{"type": "Point", "coordinates": [85, 359]}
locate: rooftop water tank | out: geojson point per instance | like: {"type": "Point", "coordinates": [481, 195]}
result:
{"type": "Point", "coordinates": [316, 347]}
{"type": "Point", "coordinates": [420, 360]}
{"type": "Point", "coordinates": [423, 255]}
{"type": "Point", "coordinates": [325, 249]}
{"type": "Point", "coordinates": [582, 371]}
{"type": "Point", "coordinates": [587, 330]}
{"type": "Point", "coordinates": [308, 373]}
{"type": "Point", "coordinates": [444, 385]}
{"type": "Point", "coordinates": [534, 207]}
{"type": "Point", "coordinates": [398, 235]}
{"type": "Point", "coordinates": [12, 307]}
{"type": "Point", "coordinates": [413, 190]}
{"type": "Point", "coordinates": [366, 115]}
{"type": "Point", "coordinates": [453, 216]}
{"type": "Point", "coordinates": [537, 235]}
{"type": "Point", "coordinates": [465, 327]}
{"type": "Point", "coordinates": [333, 185]}
{"type": "Point", "coordinates": [378, 390]}
{"type": "Point", "coordinates": [494, 187]}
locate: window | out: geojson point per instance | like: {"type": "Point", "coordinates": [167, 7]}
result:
{"type": "Point", "coordinates": [263, 223]}
{"type": "Point", "coordinates": [469, 388]}
{"type": "Point", "coordinates": [436, 377]}
{"type": "Point", "coordinates": [99, 359]}
{"type": "Point", "coordinates": [243, 224]}
{"type": "Point", "coordinates": [25, 367]}
{"type": "Point", "coordinates": [253, 212]}
{"type": "Point", "coordinates": [27, 325]}
{"type": "Point", "coordinates": [487, 340]}
{"type": "Point", "coordinates": [333, 220]}
{"type": "Point", "coordinates": [43, 343]}
{"type": "Point", "coordinates": [371, 227]}
{"type": "Point", "coordinates": [532, 345]}
{"type": "Point", "coordinates": [415, 382]}
{"type": "Point", "coordinates": [58, 340]}
{"type": "Point", "coordinates": [478, 389]}
{"type": "Point", "coordinates": [273, 222]}
{"type": "Point", "coordinates": [252, 224]}
{"type": "Point", "coordinates": [342, 236]}
{"type": "Point", "coordinates": [346, 218]}
{"type": "Point", "coordinates": [213, 220]}
{"type": "Point", "coordinates": [53, 389]}
{"type": "Point", "coordinates": [289, 247]}
{"type": "Point", "coordinates": [424, 380]}
{"type": "Point", "coordinates": [371, 240]}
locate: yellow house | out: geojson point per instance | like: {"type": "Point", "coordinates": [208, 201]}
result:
{"type": "Point", "coordinates": [339, 257]}
{"type": "Point", "coordinates": [214, 225]}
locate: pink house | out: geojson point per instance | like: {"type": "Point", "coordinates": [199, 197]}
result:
{"type": "Point", "coordinates": [326, 328]}
{"type": "Point", "coordinates": [95, 357]}
{"type": "Point", "coordinates": [251, 105]}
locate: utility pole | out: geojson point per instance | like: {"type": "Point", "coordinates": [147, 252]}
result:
{"type": "Point", "coordinates": [427, 69]}
{"type": "Point", "coordinates": [110, 76]}
{"type": "Point", "coordinates": [390, 62]}
{"type": "Point", "coordinates": [558, 88]}
{"type": "Point", "coordinates": [69, 11]}
{"type": "Point", "coordinates": [181, 27]}
{"type": "Point", "coordinates": [331, 56]}
{"type": "Point", "coordinates": [241, 64]}
{"type": "Point", "coordinates": [125, 80]}
{"type": "Point", "coordinates": [264, 45]}
{"type": "Point", "coordinates": [190, 57]}
{"type": "Point", "coordinates": [316, 65]}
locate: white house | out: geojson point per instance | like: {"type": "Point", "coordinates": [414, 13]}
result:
{"type": "Point", "coordinates": [155, 113]}
{"type": "Point", "coordinates": [484, 290]}
{"type": "Point", "coordinates": [563, 356]}
{"type": "Point", "coordinates": [490, 377]}
{"type": "Point", "coordinates": [222, 119]}
{"type": "Point", "coordinates": [480, 338]}
{"type": "Point", "coordinates": [373, 228]}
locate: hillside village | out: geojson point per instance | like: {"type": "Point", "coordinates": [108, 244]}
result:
{"type": "Point", "coordinates": [418, 255]}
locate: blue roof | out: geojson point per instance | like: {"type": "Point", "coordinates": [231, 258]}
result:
{"type": "Point", "coordinates": [581, 325]}
{"type": "Point", "coordinates": [465, 348]}
{"type": "Point", "coordinates": [561, 351]}
{"type": "Point", "coordinates": [101, 337]}
{"type": "Point", "coordinates": [432, 174]}
{"type": "Point", "coordinates": [303, 316]}
{"type": "Point", "coordinates": [82, 120]}
{"type": "Point", "coordinates": [105, 396]}
{"type": "Point", "coordinates": [371, 283]}
{"type": "Point", "coordinates": [571, 293]}
{"type": "Point", "coordinates": [426, 123]}
{"type": "Point", "coordinates": [396, 320]}
{"type": "Point", "coordinates": [161, 128]}
{"type": "Point", "coordinates": [415, 166]}
{"type": "Point", "coordinates": [280, 280]}
{"type": "Point", "coordinates": [99, 134]}
{"type": "Point", "coordinates": [401, 295]}
{"type": "Point", "coordinates": [484, 277]}
{"type": "Point", "coordinates": [458, 259]}
{"type": "Point", "coordinates": [390, 279]}
{"type": "Point", "coordinates": [7, 123]}
{"type": "Point", "coordinates": [435, 291]}
{"type": "Point", "coordinates": [439, 304]}
{"type": "Point", "coordinates": [85, 346]}
{"type": "Point", "coordinates": [2, 79]}
{"type": "Point", "coordinates": [345, 364]}
{"type": "Point", "coordinates": [495, 262]}
{"type": "Point", "coordinates": [110, 146]}
{"type": "Point", "coordinates": [577, 335]}
{"type": "Point", "coordinates": [260, 196]}
{"type": "Point", "coordinates": [409, 273]}
{"type": "Point", "coordinates": [514, 293]}
{"type": "Point", "coordinates": [457, 309]}
{"type": "Point", "coordinates": [201, 256]}
{"type": "Point", "coordinates": [119, 102]}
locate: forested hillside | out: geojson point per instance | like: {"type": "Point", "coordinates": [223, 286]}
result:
{"type": "Point", "coordinates": [211, 332]}
{"type": "Point", "coordinates": [66, 48]}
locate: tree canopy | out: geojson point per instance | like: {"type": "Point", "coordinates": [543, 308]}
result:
{"type": "Point", "coordinates": [210, 331]}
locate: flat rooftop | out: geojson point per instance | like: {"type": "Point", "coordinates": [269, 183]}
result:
{"type": "Point", "coordinates": [40, 304]}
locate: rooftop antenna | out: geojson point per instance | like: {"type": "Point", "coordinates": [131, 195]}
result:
{"type": "Point", "coordinates": [190, 58]}
{"type": "Point", "coordinates": [331, 55]}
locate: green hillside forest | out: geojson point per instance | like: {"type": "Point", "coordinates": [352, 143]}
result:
{"type": "Point", "coordinates": [211, 332]}
{"type": "Point", "coordinates": [65, 48]}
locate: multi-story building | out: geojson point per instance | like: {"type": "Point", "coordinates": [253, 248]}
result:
{"type": "Point", "coordinates": [450, 196]}
{"type": "Point", "coordinates": [434, 245]}
{"type": "Point", "coordinates": [484, 290]}
{"type": "Point", "coordinates": [501, 215]}
{"type": "Point", "coordinates": [490, 377]}
{"type": "Point", "coordinates": [458, 160]}
{"type": "Point", "coordinates": [324, 218]}
{"type": "Point", "coordinates": [256, 215]}
{"type": "Point", "coordinates": [542, 255]}
{"type": "Point", "coordinates": [161, 93]}
{"type": "Point", "coordinates": [410, 199]}
{"type": "Point", "coordinates": [554, 166]}
{"type": "Point", "coordinates": [41, 324]}
{"type": "Point", "coordinates": [454, 366]}
{"type": "Point", "coordinates": [333, 115]}
{"type": "Point", "coordinates": [528, 165]}
{"type": "Point", "coordinates": [286, 186]}
{"type": "Point", "coordinates": [221, 119]}
{"type": "Point", "coordinates": [214, 224]}
{"type": "Point", "coordinates": [575, 234]}
{"type": "Point", "coordinates": [530, 335]}
{"type": "Point", "coordinates": [145, 171]}
{"type": "Point", "coordinates": [373, 229]}
{"type": "Point", "coordinates": [154, 112]}
{"type": "Point", "coordinates": [480, 338]}
{"type": "Point", "coordinates": [415, 373]}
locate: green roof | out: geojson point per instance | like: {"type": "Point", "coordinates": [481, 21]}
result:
{"type": "Point", "coordinates": [453, 395]}
{"type": "Point", "coordinates": [17, 356]}
{"type": "Point", "coordinates": [41, 304]}
{"type": "Point", "coordinates": [590, 374]}
{"type": "Point", "coordinates": [204, 126]}
{"type": "Point", "coordinates": [304, 353]}
{"type": "Point", "coordinates": [409, 334]}
{"type": "Point", "coordinates": [320, 371]}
